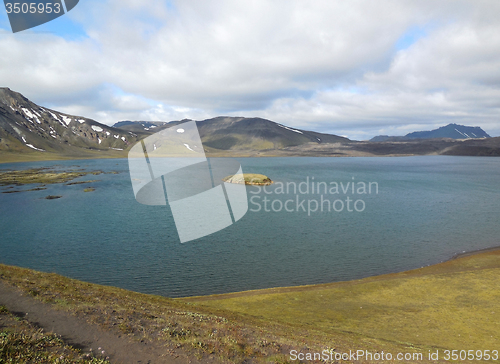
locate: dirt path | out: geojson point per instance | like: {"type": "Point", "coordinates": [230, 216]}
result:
{"type": "Point", "coordinates": [82, 335]}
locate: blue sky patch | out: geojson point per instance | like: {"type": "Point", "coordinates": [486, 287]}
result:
{"type": "Point", "coordinates": [63, 27]}
{"type": "Point", "coordinates": [410, 37]}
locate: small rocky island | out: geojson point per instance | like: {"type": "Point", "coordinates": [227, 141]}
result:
{"type": "Point", "coordinates": [249, 179]}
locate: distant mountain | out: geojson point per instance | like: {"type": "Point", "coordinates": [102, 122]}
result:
{"type": "Point", "coordinates": [26, 126]}
{"type": "Point", "coordinates": [225, 133]}
{"type": "Point", "coordinates": [453, 131]}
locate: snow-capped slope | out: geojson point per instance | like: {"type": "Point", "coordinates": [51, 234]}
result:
{"type": "Point", "coordinates": [26, 125]}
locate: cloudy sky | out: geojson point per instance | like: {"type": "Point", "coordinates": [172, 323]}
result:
{"type": "Point", "coordinates": [353, 68]}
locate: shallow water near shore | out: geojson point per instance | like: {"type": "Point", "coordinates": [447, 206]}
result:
{"type": "Point", "coordinates": [419, 211]}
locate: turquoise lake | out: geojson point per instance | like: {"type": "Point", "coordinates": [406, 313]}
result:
{"type": "Point", "coordinates": [421, 211]}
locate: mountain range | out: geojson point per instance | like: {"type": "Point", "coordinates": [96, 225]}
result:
{"type": "Point", "coordinates": [31, 132]}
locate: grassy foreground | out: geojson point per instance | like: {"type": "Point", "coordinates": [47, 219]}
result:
{"type": "Point", "coordinates": [21, 342]}
{"type": "Point", "coordinates": [452, 305]}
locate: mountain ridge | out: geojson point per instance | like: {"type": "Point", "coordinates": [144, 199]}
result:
{"type": "Point", "coordinates": [240, 133]}
{"type": "Point", "coordinates": [32, 132]}
{"type": "Point", "coordinates": [26, 127]}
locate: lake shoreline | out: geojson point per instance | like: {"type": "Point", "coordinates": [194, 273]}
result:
{"type": "Point", "coordinates": [454, 257]}
{"type": "Point", "coordinates": [6, 158]}
{"type": "Point", "coordinates": [473, 252]}
{"type": "Point", "coordinates": [271, 290]}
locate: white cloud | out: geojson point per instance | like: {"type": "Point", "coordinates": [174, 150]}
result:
{"type": "Point", "coordinates": [327, 65]}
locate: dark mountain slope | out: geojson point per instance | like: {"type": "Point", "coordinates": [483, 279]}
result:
{"type": "Point", "coordinates": [453, 131]}
{"type": "Point", "coordinates": [26, 126]}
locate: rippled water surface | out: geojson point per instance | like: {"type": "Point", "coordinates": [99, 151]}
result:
{"type": "Point", "coordinates": [426, 210]}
